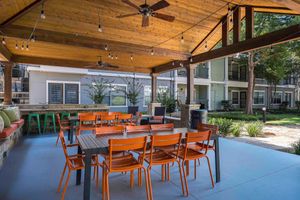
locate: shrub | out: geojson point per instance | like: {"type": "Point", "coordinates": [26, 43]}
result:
{"type": "Point", "coordinates": [255, 128]}
{"type": "Point", "coordinates": [223, 124]}
{"type": "Point", "coordinates": [297, 104]}
{"type": "Point", "coordinates": [296, 147]}
{"type": "Point", "coordinates": [236, 129]}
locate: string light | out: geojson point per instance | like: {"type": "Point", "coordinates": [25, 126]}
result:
{"type": "Point", "coordinates": [173, 63]}
{"type": "Point", "coordinates": [205, 46]}
{"type": "Point", "coordinates": [181, 65]}
{"type": "Point", "coordinates": [106, 47]}
{"type": "Point", "coordinates": [33, 38]}
{"type": "Point", "coordinates": [27, 47]}
{"type": "Point", "coordinates": [22, 47]}
{"type": "Point", "coordinates": [43, 15]}
{"type": "Point", "coordinates": [182, 38]}
{"type": "Point", "coordinates": [116, 57]}
{"type": "Point", "coordinates": [131, 57]}
{"type": "Point", "coordinates": [17, 46]}
{"type": "Point", "coordinates": [99, 26]}
{"type": "Point", "coordinates": [3, 41]}
{"type": "Point", "coordinates": [191, 59]}
{"type": "Point", "coordinates": [152, 52]}
{"type": "Point", "coordinates": [112, 57]}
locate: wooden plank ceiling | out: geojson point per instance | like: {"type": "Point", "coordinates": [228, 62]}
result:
{"type": "Point", "coordinates": [69, 35]}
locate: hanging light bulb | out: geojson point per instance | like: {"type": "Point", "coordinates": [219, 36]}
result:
{"type": "Point", "coordinates": [27, 47]}
{"type": "Point", "coordinates": [191, 59]}
{"type": "Point", "coordinates": [205, 46]}
{"type": "Point", "coordinates": [109, 55]}
{"type": "Point", "coordinates": [43, 15]}
{"type": "Point", "coordinates": [17, 46]}
{"type": "Point", "coordinates": [152, 52]}
{"type": "Point", "coordinates": [100, 28]}
{"type": "Point", "coordinates": [33, 38]}
{"type": "Point", "coordinates": [181, 65]}
{"type": "Point", "coordinates": [105, 47]}
{"type": "Point", "coordinates": [131, 57]}
{"type": "Point", "coordinates": [182, 39]}
{"type": "Point", "coordinates": [112, 57]}
{"type": "Point", "coordinates": [3, 41]}
{"type": "Point", "coordinates": [173, 63]}
{"type": "Point", "coordinates": [116, 57]}
{"type": "Point", "coordinates": [230, 19]}
{"type": "Point", "coordinates": [22, 47]}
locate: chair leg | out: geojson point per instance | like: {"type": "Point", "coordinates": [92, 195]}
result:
{"type": "Point", "coordinates": [187, 165]}
{"type": "Point", "coordinates": [195, 169]}
{"type": "Point", "coordinates": [131, 179]}
{"type": "Point", "coordinates": [168, 171]}
{"type": "Point", "coordinates": [199, 161]}
{"type": "Point", "coordinates": [97, 176]}
{"type": "Point", "coordinates": [185, 180]}
{"type": "Point", "coordinates": [57, 139]}
{"type": "Point", "coordinates": [107, 186]}
{"type": "Point", "coordinates": [162, 172]}
{"type": "Point", "coordinates": [211, 177]}
{"type": "Point", "coordinates": [66, 185]}
{"type": "Point", "coordinates": [62, 178]}
{"type": "Point", "coordinates": [103, 183]}
{"type": "Point", "coordinates": [146, 183]}
{"type": "Point", "coordinates": [150, 183]}
{"type": "Point", "coordinates": [181, 181]}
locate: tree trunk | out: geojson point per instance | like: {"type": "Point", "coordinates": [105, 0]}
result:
{"type": "Point", "coordinates": [251, 83]}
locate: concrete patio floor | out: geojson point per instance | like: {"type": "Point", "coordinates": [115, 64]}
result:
{"type": "Point", "coordinates": [248, 172]}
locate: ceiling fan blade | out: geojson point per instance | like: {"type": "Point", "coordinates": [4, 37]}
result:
{"type": "Point", "coordinates": [128, 15]}
{"type": "Point", "coordinates": [164, 17]}
{"type": "Point", "coordinates": [131, 4]}
{"type": "Point", "coordinates": [145, 21]}
{"type": "Point", "coordinates": [112, 66]}
{"type": "Point", "coordinates": [159, 5]}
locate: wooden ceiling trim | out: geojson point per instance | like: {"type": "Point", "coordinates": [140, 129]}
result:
{"type": "Point", "coordinates": [5, 54]}
{"type": "Point", "coordinates": [88, 42]}
{"type": "Point", "coordinates": [22, 12]}
{"type": "Point", "coordinates": [291, 4]}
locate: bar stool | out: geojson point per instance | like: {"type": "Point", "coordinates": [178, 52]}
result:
{"type": "Point", "coordinates": [31, 117]}
{"type": "Point", "coordinates": [52, 120]}
{"type": "Point", "coordinates": [65, 115]}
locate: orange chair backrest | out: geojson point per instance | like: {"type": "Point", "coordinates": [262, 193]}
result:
{"type": "Point", "coordinates": [204, 127]}
{"type": "Point", "coordinates": [63, 143]}
{"type": "Point", "coordinates": [85, 114]}
{"type": "Point", "coordinates": [108, 117]}
{"type": "Point", "coordinates": [128, 144]}
{"type": "Point", "coordinates": [114, 113]}
{"type": "Point", "coordinates": [162, 127]}
{"type": "Point", "coordinates": [107, 130]}
{"type": "Point", "coordinates": [200, 137]}
{"type": "Point", "coordinates": [138, 129]}
{"type": "Point", "coordinates": [170, 140]}
{"type": "Point", "coordinates": [125, 117]}
{"type": "Point", "coordinates": [87, 120]}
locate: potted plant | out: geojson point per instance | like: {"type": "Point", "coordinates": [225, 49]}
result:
{"type": "Point", "coordinates": [98, 88]}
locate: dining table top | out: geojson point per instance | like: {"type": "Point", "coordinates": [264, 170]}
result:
{"type": "Point", "coordinates": [99, 144]}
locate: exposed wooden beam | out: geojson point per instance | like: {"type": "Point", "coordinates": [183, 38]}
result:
{"type": "Point", "coordinates": [22, 12]}
{"type": "Point", "coordinates": [276, 37]}
{"type": "Point", "coordinates": [88, 42]}
{"type": "Point", "coordinates": [225, 27]}
{"type": "Point", "coordinates": [273, 38]}
{"type": "Point", "coordinates": [205, 38]}
{"type": "Point", "coordinates": [291, 4]}
{"type": "Point", "coordinates": [5, 54]}
{"type": "Point", "coordinates": [176, 64]}
{"type": "Point", "coordinates": [70, 63]}
{"type": "Point", "coordinates": [236, 24]}
{"type": "Point", "coordinates": [249, 22]}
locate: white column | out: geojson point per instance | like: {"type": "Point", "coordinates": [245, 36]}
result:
{"type": "Point", "coordinates": [226, 78]}
{"type": "Point", "coordinates": [209, 96]}
{"type": "Point", "coordinates": [175, 85]}
{"type": "Point", "coordinates": [209, 70]}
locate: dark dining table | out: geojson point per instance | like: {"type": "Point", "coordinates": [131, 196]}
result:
{"type": "Point", "coordinates": [73, 124]}
{"type": "Point", "coordinates": [90, 144]}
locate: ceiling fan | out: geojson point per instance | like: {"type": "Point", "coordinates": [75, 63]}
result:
{"type": "Point", "coordinates": [146, 11]}
{"type": "Point", "coordinates": [102, 64]}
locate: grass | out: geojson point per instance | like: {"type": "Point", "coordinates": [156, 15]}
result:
{"type": "Point", "coordinates": [272, 119]}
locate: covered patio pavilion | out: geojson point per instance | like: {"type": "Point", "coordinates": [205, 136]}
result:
{"type": "Point", "coordinates": [89, 34]}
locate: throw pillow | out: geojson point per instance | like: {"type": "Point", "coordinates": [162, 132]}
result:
{"type": "Point", "coordinates": [1, 124]}
{"type": "Point", "coordinates": [11, 114]}
{"type": "Point", "coordinates": [5, 119]}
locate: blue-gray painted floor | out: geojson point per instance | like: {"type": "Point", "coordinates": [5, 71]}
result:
{"type": "Point", "coordinates": [33, 167]}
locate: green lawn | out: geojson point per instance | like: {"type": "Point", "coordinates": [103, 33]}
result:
{"type": "Point", "coordinates": [272, 119]}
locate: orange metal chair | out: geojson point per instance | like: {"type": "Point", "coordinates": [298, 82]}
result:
{"type": "Point", "coordinates": [98, 117]}
{"type": "Point", "coordinates": [123, 164]}
{"type": "Point", "coordinates": [108, 120]}
{"type": "Point", "coordinates": [162, 127]}
{"type": "Point", "coordinates": [108, 130]}
{"type": "Point", "coordinates": [64, 125]}
{"type": "Point", "coordinates": [85, 114]}
{"type": "Point", "coordinates": [114, 113]}
{"type": "Point", "coordinates": [125, 119]}
{"type": "Point", "coordinates": [138, 129]}
{"type": "Point", "coordinates": [163, 158]}
{"type": "Point", "coordinates": [74, 163]}
{"type": "Point", "coordinates": [86, 123]}
{"type": "Point", "coordinates": [204, 127]}
{"type": "Point", "coordinates": [187, 154]}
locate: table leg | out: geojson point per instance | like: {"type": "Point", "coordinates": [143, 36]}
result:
{"type": "Point", "coordinates": [72, 132]}
{"type": "Point", "coordinates": [87, 177]}
{"type": "Point", "coordinates": [78, 172]}
{"type": "Point", "coordinates": [217, 160]}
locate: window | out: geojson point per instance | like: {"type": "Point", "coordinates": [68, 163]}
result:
{"type": "Point", "coordinates": [147, 93]}
{"type": "Point", "coordinates": [63, 92]}
{"type": "Point", "coordinates": [276, 97]}
{"type": "Point", "coordinates": [235, 97]}
{"type": "Point", "coordinates": [115, 96]}
{"type": "Point", "coordinates": [259, 98]}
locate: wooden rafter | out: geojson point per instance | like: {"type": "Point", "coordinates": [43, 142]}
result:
{"type": "Point", "coordinates": [20, 32]}
{"type": "Point", "coordinates": [5, 54]}
{"type": "Point", "coordinates": [291, 4]}
{"type": "Point", "coordinates": [273, 38]}
{"type": "Point", "coordinates": [22, 12]}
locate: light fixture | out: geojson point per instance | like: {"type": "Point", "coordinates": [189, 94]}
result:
{"type": "Point", "coordinates": [99, 28]}
{"type": "Point", "coordinates": [229, 10]}
{"type": "Point", "coordinates": [182, 38]}
{"type": "Point", "coordinates": [181, 65]}
{"type": "Point", "coordinates": [112, 57]}
{"type": "Point", "coordinates": [173, 63]}
{"type": "Point", "coordinates": [116, 57]}
{"type": "Point", "coordinates": [17, 46]}
{"type": "Point", "coordinates": [205, 46]}
{"type": "Point", "coordinates": [27, 47]}
{"type": "Point", "coordinates": [191, 59]}
{"type": "Point", "coordinates": [105, 47]}
{"type": "Point", "coordinates": [43, 15]}
{"type": "Point", "coordinates": [22, 47]}
{"type": "Point", "coordinates": [131, 57]}
{"type": "Point", "coordinates": [109, 55]}
{"type": "Point", "coordinates": [152, 52]}
{"type": "Point", "coordinates": [3, 41]}
{"type": "Point", "coordinates": [33, 38]}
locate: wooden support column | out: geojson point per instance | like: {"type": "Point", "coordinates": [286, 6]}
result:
{"type": "Point", "coordinates": [190, 71]}
{"type": "Point", "coordinates": [236, 24]}
{"type": "Point", "coordinates": [8, 83]}
{"type": "Point", "coordinates": [225, 31]}
{"type": "Point", "coordinates": [154, 87]}
{"type": "Point", "coordinates": [249, 22]}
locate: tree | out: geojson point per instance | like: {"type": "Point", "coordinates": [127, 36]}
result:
{"type": "Point", "coordinates": [134, 89]}
{"type": "Point", "coordinates": [166, 99]}
{"type": "Point", "coordinates": [251, 82]}
{"type": "Point", "coordinates": [98, 89]}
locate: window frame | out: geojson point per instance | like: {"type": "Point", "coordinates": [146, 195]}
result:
{"type": "Point", "coordinates": [63, 82]}
{"type": "Point", "coordinates": [281, 92]}
{"type": "Point", "coordinates": [149, 86]}
{"type": "Point", "coordinates": [126, 99]}
{"type": "Point", "coordinates": [237, 91]}
{"type": "Point", "coordinates": [262, 91]}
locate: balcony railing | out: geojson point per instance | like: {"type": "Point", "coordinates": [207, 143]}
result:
{"type": "Point", "coordinates": [200, 72]}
